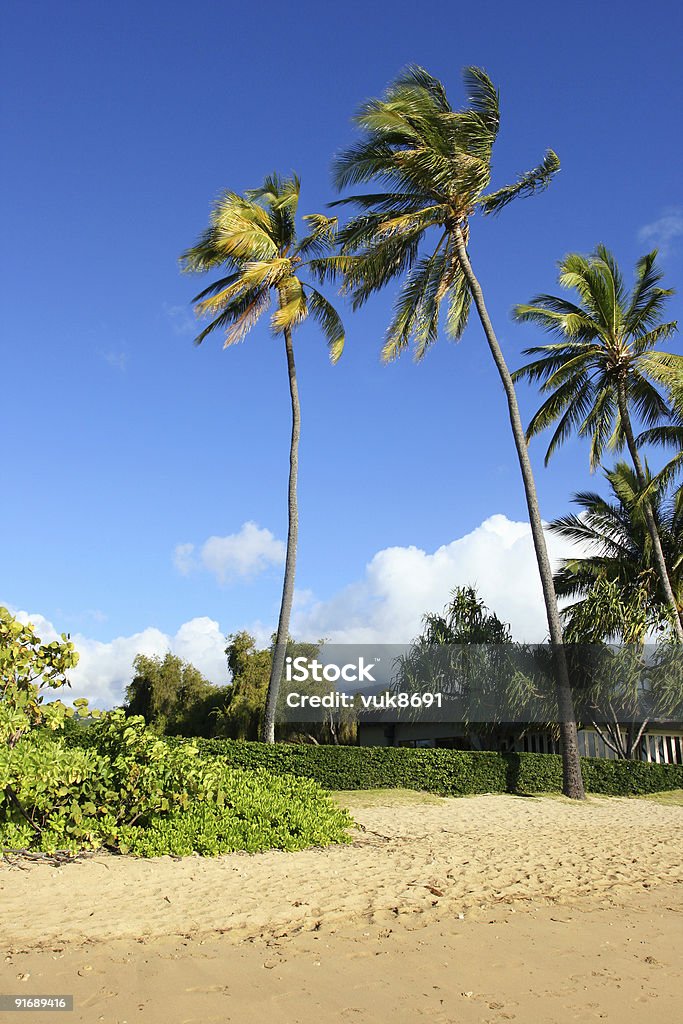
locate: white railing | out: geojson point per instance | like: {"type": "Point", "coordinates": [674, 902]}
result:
{"type": "Point", "coordinates": [659, 748]}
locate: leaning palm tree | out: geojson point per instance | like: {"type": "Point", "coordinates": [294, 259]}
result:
{"type": "Point", "coordinates": [619, 552]}
{"type": "Point", "coordinates": [253, 237]}
{"type": "Point", "coordinates": [606, 367]}
{"type": "Point", "coordinates": [431, 165]}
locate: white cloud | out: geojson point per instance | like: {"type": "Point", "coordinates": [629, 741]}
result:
{"type": "Point", "coordinates": [201, 642]}
{"type": "Point", "coordinates": [117, 360]}
{"type": "Point", "coordinates": [662, 232]}
{"type": "Point", "coordinates": [105, 667]}
{"type": "Point", "coordinates": [400, 584]}
{"type": "Point", "coordinates": [183, 558]}
{"type": "Point", "coordinates": [385, 605]}
{"type": "Point", "coordinates": [180, 319]}
{"type": "Point", "coordinates": [240, 555]}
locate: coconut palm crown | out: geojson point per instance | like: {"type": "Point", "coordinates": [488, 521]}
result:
{"type": "Point", "coordinates": [619, 548]}
{"type": "Point", "coordinates": [606, 368]}
{"type": "Point", "coordinates": [606, 360]}
{"type": "Point", "coordinates": [433, 167]}
{"type": "Point", "coordinates": [254, 237]}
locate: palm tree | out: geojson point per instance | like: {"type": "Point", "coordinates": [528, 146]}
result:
{"type": "Point", "coordinates": [254, 238]}
{"type": "Point", "coordinates": [619, 599]}
{"type": "Point", "coordinates": [619, 560]}
{"type": "Point", "coordinates": [432, 165]}
{"type": "Point", "coordinates": [605, 366]}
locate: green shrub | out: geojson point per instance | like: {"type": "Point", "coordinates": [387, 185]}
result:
{"type": "Point", "coordinates": [117, 784]}
{"type": "Point", "coordinates": [109, 780]}
{"type": "Point", "coordinates": [447, 772]}
{"type": "Point", "coordinates": [241, 810]}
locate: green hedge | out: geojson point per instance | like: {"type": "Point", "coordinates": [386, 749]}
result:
{"type": "Point", "coordinates": [447, 772]}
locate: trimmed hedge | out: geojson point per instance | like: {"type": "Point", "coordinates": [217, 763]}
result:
{"type": "Point", "coordinates": [446, 772]}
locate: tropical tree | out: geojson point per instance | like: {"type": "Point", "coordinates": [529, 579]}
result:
{"type": "Point", "coordinates": [254, 239]}
{"type": "Point", "coordinates": [619, 605]}
{"type": "Point", "coordinates": [241, 716]}
{"type": "Point", "coordinates": [616, 590]}
{"type": "Point", "coordinates": [464, 620]}
{"type": "Point", "coordinates": [606, 367]}
{"type": "Point", "coordinates": [431, 165]}
{"type": "Point", "coordinates": [462, 653]}
{"type": "Point", "coordinates": [172, 695]}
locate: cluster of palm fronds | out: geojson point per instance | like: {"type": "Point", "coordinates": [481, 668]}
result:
{"type": "Point", "coordinates": [604, 370]}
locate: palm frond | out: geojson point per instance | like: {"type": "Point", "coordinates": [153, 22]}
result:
{"type": "Point", "coordinates": [416, 314]}
{"type": "Point", "coordinates": [321, 236]}
{"type": "Point", "coordinates": [483, 97]}
{"type": "Point", "coordinates": [293, 308]}
{"type": "Point", "coordinates": [237, 317]}
{"type": "Point", "coordinates": [329, 320]}
{"type": "Point", "coordinates": [526, 185]}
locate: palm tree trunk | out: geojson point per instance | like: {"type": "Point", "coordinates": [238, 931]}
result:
{"type": "Point", "coordinates": [571, 762]}
{"type": "Point", "coordinates": [282, 634]}
{"type": "Point", "coordinates": [657, 553]}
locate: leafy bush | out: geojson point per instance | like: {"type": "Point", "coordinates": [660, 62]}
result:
{"type": "Point", "coordinates": [117, 784]}
{"type": "Point", "coordinates": [241, 810]}
{"type": "Point", "coordinates": [447, 772]}
{"type": "Point", "coordinates": [26, 665]}
{"type": "Point", "coordinates": [51, 793]}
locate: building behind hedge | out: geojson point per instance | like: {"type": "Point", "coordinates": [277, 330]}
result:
{"type": "Point", "coordinates": [660, 745]}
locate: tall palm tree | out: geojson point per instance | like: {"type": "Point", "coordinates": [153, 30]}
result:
{"type": "Point", "coordinates": [254, 238]}
{"type": "Point", "coordinates": [605, 367]}
{"type": "Point", "coordinates": [432, 166]}
{"type": "Point", "coordinates": [619, 552]}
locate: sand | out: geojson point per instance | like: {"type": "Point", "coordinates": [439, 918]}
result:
{"type": "Point", "coordinates": [482, 909]}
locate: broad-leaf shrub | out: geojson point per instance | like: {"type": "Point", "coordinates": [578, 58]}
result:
{"type": "Point", "coordinates": [26, 665]}
{"type": "Point", "coordinates": [239, 810]}
{"type": "Point", "coordinates": [115, 783]}
{"type": "Point", "coordinates": [126, 789]}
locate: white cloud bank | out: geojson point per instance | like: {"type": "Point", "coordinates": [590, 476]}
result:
{"type": "Point", "coordinates": [105, 667]}
{"type": "Point", "coordinates": [386, 605]}
{"type": "Point", "coordinates": [400, 584]}
{"type": "Point", "coordinates": [240, 555]}
{"type": "Point", "coordinates": [663, 231]}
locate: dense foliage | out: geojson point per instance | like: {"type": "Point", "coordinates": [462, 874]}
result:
{"type": "Point", "coordinates": [115, 783]}
{"type": "Point", "coordinates": [448, 772]}
{"type": "Point", "coordinates": [175, 699]}
{"type": "Point", "coordinates": [26, 665]}
{"type": "Point", "coordinates": [173, 696]}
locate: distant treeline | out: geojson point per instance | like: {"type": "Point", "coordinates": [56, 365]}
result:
{"type": "Point", "coordinates": [177, 700]}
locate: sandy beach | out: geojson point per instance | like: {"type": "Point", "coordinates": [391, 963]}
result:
{"type": "Point", "coordinates": [483, 909]}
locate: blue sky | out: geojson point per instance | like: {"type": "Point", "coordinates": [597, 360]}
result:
{"type": "Point", "coordinates": [122, 123]}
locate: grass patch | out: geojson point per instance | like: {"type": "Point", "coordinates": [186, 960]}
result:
{"type": "Point", "coordinates": [672, 798]}
{"type": "Point", "coordinates": [360, 799]}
